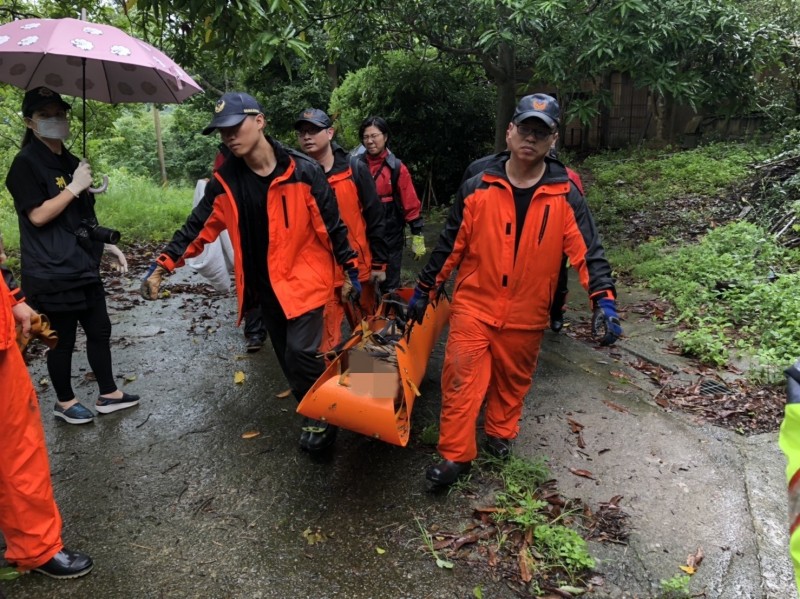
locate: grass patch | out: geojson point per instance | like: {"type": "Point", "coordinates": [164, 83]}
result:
{"type": "Point", "coordinates": [734, 292]}
{"type": "Point", "coordinates": [529, 534]}
{"type": "Point", "coordinates": [625, 182]}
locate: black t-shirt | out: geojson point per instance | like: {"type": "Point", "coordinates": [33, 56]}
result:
{"type": "Point", "coordinates": [522, 201]}
{"type": "Point", "coordinates": [52, 259]}
{"type": "Point", "coordinates": [254, 229]}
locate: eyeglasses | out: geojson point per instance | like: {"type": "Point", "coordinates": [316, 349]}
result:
{"type": "Point", "coordinates": [372, 137]}
{"type": "Point", "coordinates": [308, 131]}
{"type": "Point", "coordinates": [539, 133]}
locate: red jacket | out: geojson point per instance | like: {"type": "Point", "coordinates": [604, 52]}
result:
{"type": "Point", "coordinates": [382, 174]}
{"type": "Point", "coordinates": [305, 232]}
{"type": "Point", "coordinates": [492, 284]}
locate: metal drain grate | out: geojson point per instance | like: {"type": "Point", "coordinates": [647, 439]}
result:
{"type": "Point", "coordinates": [710, 387]}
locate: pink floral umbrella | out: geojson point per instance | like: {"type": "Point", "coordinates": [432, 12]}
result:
{"type": "Point", "coordinates": [88, 60]}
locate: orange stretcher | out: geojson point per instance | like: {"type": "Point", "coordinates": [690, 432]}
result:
{"type": "Point", "coordinates": [371, 385]}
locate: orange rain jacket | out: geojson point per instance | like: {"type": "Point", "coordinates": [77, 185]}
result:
{"type": "Point", "coordinates": [29, 518]}
{"type": "Point", "coordinates": [478, 239]}
{"type": "Point", "coordinates": [361, 212]}
{"type": "Point", "coordinates": [305, 232]}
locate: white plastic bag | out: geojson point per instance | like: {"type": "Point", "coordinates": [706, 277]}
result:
{"type": "Point", "coordinates": [215, 263]}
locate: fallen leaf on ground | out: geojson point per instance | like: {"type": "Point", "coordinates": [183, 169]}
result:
{"type": "Point", "coordinates": [238, 377]}
{"type": "Point", "coordinates": [583, 473]}
{"type": "Point", "coordinates": [284, 394]}
{"type": "Point", "coordinates": [695, 558]}
{"type": "Point", "coordinates": [688, 569]}
{"type": "Point", "coordinates": [129, 378]}
{"type": "Point", "coordinates": [313, 536]}
{"type": "Point", "coordinates": [250, 434]}
{"type": "Point", "coordinates": [380, 551]}
{"type": "Point", "coordinates": [575, 425]}
{"type": "Point", "coordinates": [614, 406]}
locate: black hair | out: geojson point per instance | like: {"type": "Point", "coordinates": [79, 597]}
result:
{"type": "Point", "coordinates": [27, 137]}
{"type": "Point", "coordinates": [374, 121]}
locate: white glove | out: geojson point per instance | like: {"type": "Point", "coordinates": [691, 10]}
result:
{"type": "Point", "coordinates": [81, 179]}
{"type": "Point", "coordinates": [120, 263]}
{"type": "Point", "coordinates": [377, 276]}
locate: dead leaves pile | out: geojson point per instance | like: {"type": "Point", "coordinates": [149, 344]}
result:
{"type": "Point", "coordinates": [746, 408]}
{"type": "Point", "coordinates": [508, 552]}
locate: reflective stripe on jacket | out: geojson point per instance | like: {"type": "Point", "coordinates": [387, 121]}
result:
{"type": "Point", "coordinates": [305, 233]}
{"type": "Point", "coordinates": [492, 284]}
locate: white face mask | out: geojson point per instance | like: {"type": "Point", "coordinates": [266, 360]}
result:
{"type": "Point", "coordinates": [53, 128]}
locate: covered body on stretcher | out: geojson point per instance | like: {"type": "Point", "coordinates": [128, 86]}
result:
{"type": "Point", "coordinates": [371, 385]}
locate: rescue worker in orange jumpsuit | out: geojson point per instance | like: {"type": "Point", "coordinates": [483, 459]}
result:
{"type": "Point", "coordinates": [361, 212]}
{"type": "Point", "coordinates": [29, 517]}
{"type": "Point", "coordinates": [506, 234]}
{"type": "Point", "coordinates": [557, 308]}
{"type": "Point", "coordinates": [287, 237]}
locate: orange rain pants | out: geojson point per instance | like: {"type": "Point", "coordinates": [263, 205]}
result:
{"type": "Point", "coordinates": [29, 517]}
{"type": "Point", "coordinates": [480, 362]}
{"type": "Point", "coordinates": [335, 310]}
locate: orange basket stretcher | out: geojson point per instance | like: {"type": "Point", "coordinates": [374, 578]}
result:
{"type": "Point", "coordinates": [371, 385]}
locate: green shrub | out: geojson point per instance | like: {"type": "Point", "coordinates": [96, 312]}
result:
{"type": "Point", "coordinates": [735, 289]}
{"type": "Point", "coordinates": [441, 117]}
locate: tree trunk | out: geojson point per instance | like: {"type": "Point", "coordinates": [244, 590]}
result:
{"type": "Point", "coordinates": [159, 144]}
{"type": "Point", "coordinates": [333, 74]}
{"type": "Point", "coordinates": [506, 81]}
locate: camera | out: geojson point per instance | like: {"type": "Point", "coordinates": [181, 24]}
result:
{"type": "Point", "coordinates": [91, 231]}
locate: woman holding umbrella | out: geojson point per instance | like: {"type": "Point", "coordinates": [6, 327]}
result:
{"type": "Point", "coordinates": [61, 244]}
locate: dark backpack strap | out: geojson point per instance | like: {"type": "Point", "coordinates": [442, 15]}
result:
{"type": "Point", "coordinates": [394, 164]}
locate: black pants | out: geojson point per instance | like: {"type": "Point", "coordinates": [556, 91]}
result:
{"type": "Point", "coordinates": [560, 296]}
{"type": "Point", "coordinates": [393, 264]}
{"type": "Point", "coordinates": [296, 342]}
{"type": "Point", "coordinates": [254, 324]}
{"type": "Point", "coordinates": [97, 325]}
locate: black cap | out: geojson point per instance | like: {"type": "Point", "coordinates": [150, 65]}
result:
{"type": "Point", "coordinates": [314, 116]}
{"type": "Point", "coordinates": [540, 106]}
{"type": "Point", "coordinates": [38, 97]}
{"type": "Point", "coordinates": [231, 109]}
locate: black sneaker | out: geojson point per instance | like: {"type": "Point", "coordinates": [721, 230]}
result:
{"type": "Point", "coordinates": [254, 343]}
{"type": "Point", "coordinates": [447, 472]}
{"type": "Point", "coordinates": [75, 414]}
{"type": "Point", "coordinates": [66, 564]}
{"type": "Point", "coordinates": [497, 447]}
{"type": "Point", "coordinates": [317, 435]}
{"type": "Point", "coordinates": [106, 405]}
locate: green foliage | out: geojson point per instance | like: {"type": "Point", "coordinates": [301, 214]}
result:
{"type": "Point", "coordinates": [430, 435]}
{"type": "Point", "coordinates": [676, 587]}
{"type": "Point", "coordinates": [563, 547]}
{"type": "Point", "coordinates": [440, 117]}
{"type": "Point", "coordinates": [736, 288]}
{"type": "Point", "coordinates": [627, 181]}
{"type": "Point", "coordinates": [141, 209]}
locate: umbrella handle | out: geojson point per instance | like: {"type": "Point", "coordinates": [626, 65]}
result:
{"type": "Point", "coordinates": [102, 188]}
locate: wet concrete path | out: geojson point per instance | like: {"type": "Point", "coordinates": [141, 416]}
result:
{"type": "Point", "coordinates": [172, 502]}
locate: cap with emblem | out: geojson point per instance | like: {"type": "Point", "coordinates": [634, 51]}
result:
{"type": "Point", "coordinates": [314, 116]}
{"type": "Point", "coordinates": [231, 109]}
{"type": "Point", "coordinates": [39, 97]}
{"type": "Point", "coordinates": [540, 106]}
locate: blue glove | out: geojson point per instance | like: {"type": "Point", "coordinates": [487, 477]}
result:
{"type": "Point", "coordinates": [605, 321]}
{"type": "Point", "coordinates": [351, 288]}
{"type": "Point", "coordinates": [417, 305]}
